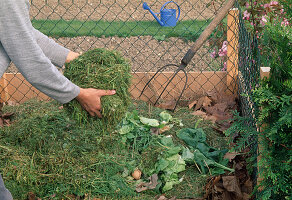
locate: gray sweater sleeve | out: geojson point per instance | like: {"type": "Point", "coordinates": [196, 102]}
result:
{"type": "Point", "coordinates": [20, 45]}
{"type": "Point", "coordinates": [55, 52]}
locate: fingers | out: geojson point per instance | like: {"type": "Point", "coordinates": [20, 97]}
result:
{"type": "Point", "coordinates": [106, 92]}
{"type": "Point", "coordinates": [90, 100]}
{"type": "Point", "coordinates": [94, 113]}
{"type": "Point", "coordinates": [98, 114]}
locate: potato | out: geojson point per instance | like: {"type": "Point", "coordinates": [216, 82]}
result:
{"type": "Point", "coordinates": [137, 174]}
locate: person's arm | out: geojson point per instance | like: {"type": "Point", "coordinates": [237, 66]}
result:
{"type": "Point", "coordinates": [18, 41]}
{"type": "Point", "coordinates": [55, 52]}
{"type": "Point", "coordinates": [58, 54]}
{"type": "Point", "coordinates": [4, 60]}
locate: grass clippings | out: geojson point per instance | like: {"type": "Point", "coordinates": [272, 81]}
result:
{"type": "Point", "coordinates": [101, 69]}
{"type": "Point", "coordinates": [46, 153]}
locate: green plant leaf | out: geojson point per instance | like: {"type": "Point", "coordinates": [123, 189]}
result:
{"type": "Point", "coordinates": [187, 155]}
{"type": "Point", "coordinates": [149, 122]}
{"type": "Point", "coordinates": [161, 165]}
{"type": "Point", "coordinates": [167, 141]}
{"type": "Point", "coordinates": [192, 136]}
{"type": "Point", "coordinates": [165, 117]}
{"type": "Point", "coordinates": [126, 129]}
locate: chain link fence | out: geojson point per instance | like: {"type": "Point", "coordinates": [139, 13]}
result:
{"type": "Point", "coordinates": [124, 25]}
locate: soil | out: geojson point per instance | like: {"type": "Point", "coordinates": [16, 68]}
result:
{"type": "Point", "coordinates": [145, 53]}
{"type": "Point", "coordinates": [124, 10]}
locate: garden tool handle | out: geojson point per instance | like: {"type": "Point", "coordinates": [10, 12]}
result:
{"type": "Point", "coordinates": [207, 32]}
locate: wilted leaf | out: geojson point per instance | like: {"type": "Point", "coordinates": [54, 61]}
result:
{"type": "Point", "coordinates": [162, 197]}
{"type": "Point", "coordinates": [192, 104]}
{"type": "Point", "coordinates": [200, 113]}
{"type": "Point", "coordinates": [165, 128]}
{"type": "Point", "coordinates": [31, 196]}
{"type": "Point", "coordinates": [230, 155]}
{"type": "Point", "coordinates": [202, 102]}
{"type": "Point", "coordinates": [148, 186]}
{"type": "Point", "coordinates": [167, 105]}
{"type": "Point", "coordinates": [231, 184]}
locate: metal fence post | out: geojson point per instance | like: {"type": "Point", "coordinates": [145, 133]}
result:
{"type": "Point", "coordinates": [264, 73]}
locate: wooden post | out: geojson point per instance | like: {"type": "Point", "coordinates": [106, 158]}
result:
{"type": "Point", "coordinates": [232, 50]}
{"type": "Point", "coordinates": [264, 73]}
{"type": "Point", "coordinates": [4, 96]}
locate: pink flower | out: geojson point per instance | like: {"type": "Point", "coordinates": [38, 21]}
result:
{"type": "Point", "coordinates": [267, 5]}
{"type": "Point", "coordinates": [255, 3]}
{"type": "Point", "coordinates": [213, 54]}
{"type": "Point", "coordinates": [285, 22]}
{"type": "Point", "coordinates": [223, 50]}
{"type": "Point", "coordinates": [263, 21]}
{"type": "Point", "coordinates": [282, 11]}
{"type": "Point", "coordinates": [246, 15]}
{"type": "Point", "coordinates": [274, 3]}
{"type": "Point", "coordinates": [246, 4]}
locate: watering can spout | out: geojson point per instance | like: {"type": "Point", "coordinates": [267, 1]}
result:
{"type": "Point", "coordinates": [146, 7]}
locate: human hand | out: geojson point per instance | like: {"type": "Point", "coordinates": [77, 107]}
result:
{"type": "Point", "coordinates": [71, 56]}
{"type": "Point", "coordinates": [89, 99]}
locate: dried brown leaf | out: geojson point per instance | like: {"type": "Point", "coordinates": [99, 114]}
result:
{"type": "Point", "coordinates": [31, 196]}
{"type": "Point", "coordinates": [247, 187]}
{"type": "Point", "coordinates": [230, 155]}
{"type": "Point", "coordinates": [148, 186]}
{"type": "Point", "coordinates": [167, 105]}
{"type": "Point", "coordinates": [192, 104]}
{"type": "Point", "coordinates": [164, 129]}
{"type": "Point", "coordinates": [199, 113]}
{"type": "Point", "coordinates": [231, 184]}
{"type": "Point", "coordinates": [162, 197]}
{"type": "Point", "coordinates": [202, 102]}
{"type": "Point", "coordinates": [154, 131]}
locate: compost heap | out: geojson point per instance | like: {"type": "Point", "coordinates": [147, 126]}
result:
{"type": "Point", "coordinates": [101, 69]}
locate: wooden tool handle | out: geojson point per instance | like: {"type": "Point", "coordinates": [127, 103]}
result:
{"type": "Point", "coordinates": [207, 32]}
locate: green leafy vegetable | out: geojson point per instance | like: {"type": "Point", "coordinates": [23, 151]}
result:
{"type": "Point", "coordinates": [201, 153]}
{"type": "Point", "coordinates": [149, 122]}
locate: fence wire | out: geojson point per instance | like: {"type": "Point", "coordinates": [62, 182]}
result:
{"type": "Point", "coordinates": [123, 25]}
{"type": "Point", "coordinates": [249, 76]}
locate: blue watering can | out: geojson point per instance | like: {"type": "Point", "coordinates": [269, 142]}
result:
{"type": "Point", "coordinates": [167, 16]}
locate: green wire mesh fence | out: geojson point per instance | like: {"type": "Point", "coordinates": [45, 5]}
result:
{"type": "Point", "coordinates": [249, 76]}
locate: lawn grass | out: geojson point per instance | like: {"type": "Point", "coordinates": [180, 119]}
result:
{"type": "Point", "coordinates": [47, 153]}
{"type": "Point", "coordinates": [188, 29]}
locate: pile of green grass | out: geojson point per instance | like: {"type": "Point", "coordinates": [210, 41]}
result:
{"type": "Point", "coordinates": [49, 154]}
{"type": "Point", "coordinates": [101, 69]}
